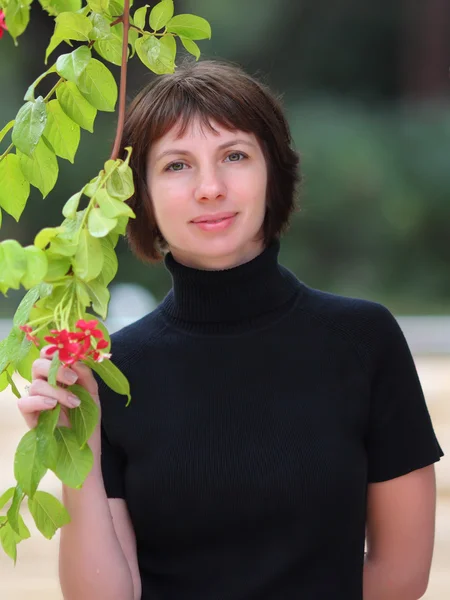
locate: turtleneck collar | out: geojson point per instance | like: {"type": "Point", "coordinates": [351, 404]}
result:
{"type": "Point", "coordinates": [229, 296]}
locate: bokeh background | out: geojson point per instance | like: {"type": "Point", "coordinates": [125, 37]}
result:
{"type": "Point", "coordinates": [367, 92]}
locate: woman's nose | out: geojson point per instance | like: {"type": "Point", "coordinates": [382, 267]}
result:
{"type": "Point", "coordinates": [210, 186]}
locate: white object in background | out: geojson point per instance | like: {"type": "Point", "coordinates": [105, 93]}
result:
{"type": "Point", "coordinates": [129, 302]}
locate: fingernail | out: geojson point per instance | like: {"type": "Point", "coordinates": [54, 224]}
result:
{"type": "Point", "coordinates": [74, 401]}
{"type": "Point", "coordinates": [50, 401]}
{"type": "Point", "coordinates": [70, 376]}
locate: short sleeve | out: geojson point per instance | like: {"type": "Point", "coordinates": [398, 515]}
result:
{"type": "Point", "coordinates": [113, 467]}
{"type": "Point", "coordinates": [400, 435]}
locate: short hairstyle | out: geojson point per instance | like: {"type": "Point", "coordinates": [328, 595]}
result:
{"type": "Point", "coordinates": [217, 91]}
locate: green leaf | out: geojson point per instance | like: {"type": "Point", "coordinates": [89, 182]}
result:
{"type": "Point", "coordinates": [110, 263]}
{"type": "Point", "coordinates": [190, 26]}
{"type": "Point", "coordinates": [111, 207]}
{"type": "Point", "coordinates": [112, 376]}
{"type": "Point", "coordinates": [55, 41]}
{"type": "Point", "coordinates": [110, 48]}
{"type": "Point", "coordinates": [22, 313]}
{"type": "Point", "coordinates": [13, 263]}
{"type": "Point", "coordinates": [120, 184]}
{"type": "Point", "coordinates": [54, 7]}
{"type": "Point", "coordinates": [98, 5]}
{"type": "Point", "coordinates": [71, 227]}
{"type": "Point", "coordinates": [44, 236]}
{"type": "Point", "coordinates": [98, 224]}
{"type": "Point", "coordinates": [17, 15]}
{"type": "Point", "coordinates": [16, 346]}
{"type": "Point", "coordinates": [3, 381]}
{"type": "Point", "coordinates": [91, 188]}
{"type": "Point", "coordinates": [28, 466]}
{"type": "Point", "coordinates": [57, 266]}
{"type": "Point", "coordinates": [14, 188]}
{"type": "Point", "coordinates": [48, 513]}
{"type": "Point", "coordinates": [6, 128]}
{"type": "Point", "coordinates": [24, 366]}
{"type": "Point", "coordinates": [88, 260]}
{"type": "Point", "coordinates": [37, 266]}
{"type": "Point", "coordinates": [98, 86]}
{"type": "Point", "coordinates": [53, 371]}
{"type": "Point", "coordinates": [61, 132]}
{"type": "Point", "coordinates": [29, 95]}
{"type": "Point", "coordinates": [71, 206]}
{"type": "Point", "coordinates": [75, 105]}
{"type": "Point", "coordinates": [63, 247]}
{"type": "Point", "coordinates": [6, 497]}
{"type": "Point", "coordinates": [73, 463]}
{"type": "Point", "coordinates": [84, 419]}
{"type": "Point", "coordinates": [41, 169]}
{"type": "Point", "coordinates": [99, 295]}
{"type": "Point", "coordinates": [140, 17]}
{"type": "Point", "coordinates": [29, 126]}
{"type": "Point", "coordinates": [48, 448]}
{"type": "Point", "coordinates": [155, 54]}
{"type": "Point", "coordinates": [8, 539]}
{"type": "Point", "coordinates": [190, 46]}
{"type": "Point", "coordinates": [13, 512]}
{"type": "Point", "coordinates": [122, 223]}
{"type": "Point", "coordinates": [70, 66]}
{"type": "Point", "coordinates": [14, 389]}
{"type": "Point", "coordinates": [82, 293]}
{"type": "Point", "coordinates": [73, 26]}
{"type": "Point", "coordinates": [100, 27]}
{"type": "Point", "coordinates": [161, 14]}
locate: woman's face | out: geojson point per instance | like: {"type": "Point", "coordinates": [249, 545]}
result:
{"type": "Point", "coordinates": [209, 195]}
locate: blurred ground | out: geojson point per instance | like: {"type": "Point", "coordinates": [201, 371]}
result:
{"type": "Point", "coordinates": [35, 575]}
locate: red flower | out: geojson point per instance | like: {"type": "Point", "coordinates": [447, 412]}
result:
{"type": "Point", "coordinates": [88, 328]}
{"type": "Point", "coordinates": [76, 345]}
{"type": "Point", "coordinates": [69, 350]}
{"type": "Point", "coordinates": [28, 334]}
{"type": "Point", "coordinates": [2, 24]}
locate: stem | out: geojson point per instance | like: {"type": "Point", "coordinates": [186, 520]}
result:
{"type": "Point", "coordinates": [53, 89]}
{"type": "Point", "coordinates": [7, 151]}
{"type": "Point", "coordinates": [123, 82]}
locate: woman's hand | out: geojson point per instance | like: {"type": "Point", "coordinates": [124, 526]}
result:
{"type": "Point", "coordinates": [43, 396]}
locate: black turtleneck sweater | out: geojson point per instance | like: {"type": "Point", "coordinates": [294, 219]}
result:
{"type": "Point", "coordinates": [261, 410]}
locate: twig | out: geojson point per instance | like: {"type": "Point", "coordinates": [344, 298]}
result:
{"type": "Point", "coordinates": [123, 81]}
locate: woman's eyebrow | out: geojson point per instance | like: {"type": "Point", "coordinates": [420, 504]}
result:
{"type": "Point", "coordinates": [221, 147]}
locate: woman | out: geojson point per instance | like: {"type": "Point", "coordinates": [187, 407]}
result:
{"type": "Point", "coordinates": [271, 425]}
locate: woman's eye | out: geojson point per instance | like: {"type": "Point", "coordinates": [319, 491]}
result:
{"type": "Point", "coordinates": [236, 154]}
{"type": "Point", "coordinates": [174, 166]}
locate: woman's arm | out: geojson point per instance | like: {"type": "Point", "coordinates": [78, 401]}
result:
{"type": "Point", "coordinates": [97, 559]}
{"type": "Point", "coordinates": [400, 536]}
{"type": "Point", "coordinates": [97, 552]}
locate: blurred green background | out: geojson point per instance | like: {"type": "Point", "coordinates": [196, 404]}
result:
{"type": "Point", "coordinates": [366, 89]}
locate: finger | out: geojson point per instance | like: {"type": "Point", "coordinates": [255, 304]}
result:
{"type": "Point", "coordinates": [41, 368]}
{"type": "Point", "coordinates": [32, 404]}
{"type": "Point", "coordinates": [40, 387]}
{"type": "Point", "coordinates": [86, 378]}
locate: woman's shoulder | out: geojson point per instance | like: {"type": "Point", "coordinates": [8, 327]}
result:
{"type": "Point", "coordinates": [136, 339]}
{"type": "Point", "coordinates": [366, 323]}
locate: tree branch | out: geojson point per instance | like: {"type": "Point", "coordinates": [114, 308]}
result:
{"type": "Point", "coordinates": [123, 81]}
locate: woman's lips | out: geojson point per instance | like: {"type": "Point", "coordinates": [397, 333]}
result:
{"type": "Point", "coordinates": [217, 224]}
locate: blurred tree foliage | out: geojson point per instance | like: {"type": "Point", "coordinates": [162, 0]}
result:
{"type": "Point", "coordinates": [375, 212]}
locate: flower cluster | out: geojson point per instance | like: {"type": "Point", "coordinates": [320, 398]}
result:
{"type": "Point", "coordinates": [73, 346]}
{"type": "Point", "coordinates": [2, 24]}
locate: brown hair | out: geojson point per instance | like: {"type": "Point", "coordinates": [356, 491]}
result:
{"type": "Point", "coordinates": [213, 91]}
